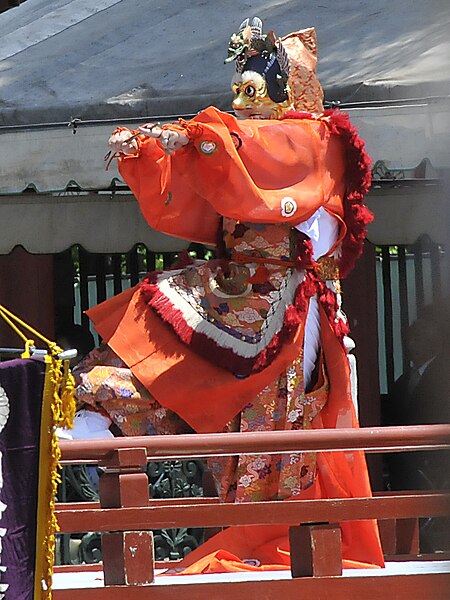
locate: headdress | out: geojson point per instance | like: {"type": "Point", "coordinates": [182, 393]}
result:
{"type": "Point", "coordinates": [287, 64]}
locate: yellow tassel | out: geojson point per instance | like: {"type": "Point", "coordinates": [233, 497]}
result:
{"type": "Point", "coordinates": [49, 541]}
{"type": "Point", "coordinates": [59, 398]}
{"type": "Point", "coordinates": [68, 404]}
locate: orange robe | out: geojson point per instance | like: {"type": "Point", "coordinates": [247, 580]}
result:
{"type": "Point", "coordinates": [185, 194]}
{"type": "Point", "coordinates": [256, 172]}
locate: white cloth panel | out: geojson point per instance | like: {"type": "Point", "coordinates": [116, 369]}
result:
{"type": "Point", "coordinates": [323, 230]}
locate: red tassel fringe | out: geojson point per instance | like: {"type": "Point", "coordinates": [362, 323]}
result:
{"type": "Point", "coordinates": [359, 178]}
{"type": "Point", "coordinates": [199, 342]}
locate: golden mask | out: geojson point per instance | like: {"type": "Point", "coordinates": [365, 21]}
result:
{"type": "Point", "coordinates": [252, 100]}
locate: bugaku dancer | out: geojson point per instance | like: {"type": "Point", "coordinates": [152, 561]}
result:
{"type": "Point", "coordinates": [254, 339]}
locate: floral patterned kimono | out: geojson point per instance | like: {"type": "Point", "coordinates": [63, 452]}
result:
{"type": "Point", "coordinates": [219, 345]}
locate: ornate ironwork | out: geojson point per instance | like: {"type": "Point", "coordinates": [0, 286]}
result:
{"type": "Point", "coordinates": [175, 479]}
{"type": "Point", "coordinates": [168, 479]}
{"type": "Point", "coordinates": [81, 483]}
{"type": "Point", "coordinates": [172, 544]}
{"type": "Point", "coordinates": [90, 548]}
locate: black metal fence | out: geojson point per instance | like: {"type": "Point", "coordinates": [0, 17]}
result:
{"type": "Point", "coordinates": [83, 279]}
{"type": "Point", "coordinates": [167, 479]}
{"type": "Point", "coordinates": [411, 281]}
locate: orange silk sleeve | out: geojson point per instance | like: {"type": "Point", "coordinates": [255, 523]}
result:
{"type": "Point", "coordinates": [260, 171]}
{"type": "Point", "coordinates": [167, 194]}
{"type": "Point", "coordinates": [268, 171]}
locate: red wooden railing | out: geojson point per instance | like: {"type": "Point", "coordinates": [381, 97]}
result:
{"type": "Point", "coordinates": [126, 515]}
{"type": "Point", "coordinates": [374, 439]}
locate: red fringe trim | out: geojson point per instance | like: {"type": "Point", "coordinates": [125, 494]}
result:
{"type": "Point", "coordinates": [207, 347]}
{"type": "Point", "coordinates": [359, 178]}
{"type": "Point", "coordinates": [313, 285]}
{"type": "Point", "coordinates": [294, 315]}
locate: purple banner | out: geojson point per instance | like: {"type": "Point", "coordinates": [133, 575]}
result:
{"type": "Point", "coordinates": [21, 388]}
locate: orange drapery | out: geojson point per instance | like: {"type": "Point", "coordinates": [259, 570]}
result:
{"type": "Point", "coordinates": [185, 193]}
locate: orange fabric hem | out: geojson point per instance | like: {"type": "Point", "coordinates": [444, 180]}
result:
{"type": "Point", "coordinates": [222, 561]}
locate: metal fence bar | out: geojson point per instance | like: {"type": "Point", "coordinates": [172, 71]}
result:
{"type": "Point", "coordinates": [168, 259]}
{"type": "Point", "coordinates": [418, 272]}
{"type": "Point", "coordinates": [100, 276]}
{"type": "Point", "coordinates": [388, 316]}
{"type": "Point", "coordinates": [150, 260]}
{"type": "Point", "coordinates": [436, 286]}
{"type": "Point", "coordinates": [84, 284]}
{"type": "Point", "coordinates": [403, 294]}
{"type": "Point", "coordinates": [133, 265]}
{"type": "Point", "coordinates": [116, 266]}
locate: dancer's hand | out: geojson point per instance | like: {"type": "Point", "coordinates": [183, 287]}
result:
{"type": "Point", "coordinates": [120, 142]}
{"type": "Point", "coordinates": [170, 139]}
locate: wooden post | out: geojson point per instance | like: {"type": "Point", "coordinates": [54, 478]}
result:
{"type": "Point", "coordinates": [388, 536]}
{"type": "Point", "coordinates": [128, 557]}
{"type": "Point", "coordinates": [400, 537]}
{"type": "Point", "coordinates": [407, 537]}
{"type": "Point", "coordinates": [316, 550]}
{"type": "Point", "coordinates": [26, 289]}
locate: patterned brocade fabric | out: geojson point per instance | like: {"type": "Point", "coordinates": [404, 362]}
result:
{"type": "Point", "coordinates": [301, 47]}
{"type": "Point", "coordinates": [282, 405]}
{"type": "Point", "coordinates": [236, 303]}
{"type": "Point", "coordinates": [104, 382]}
